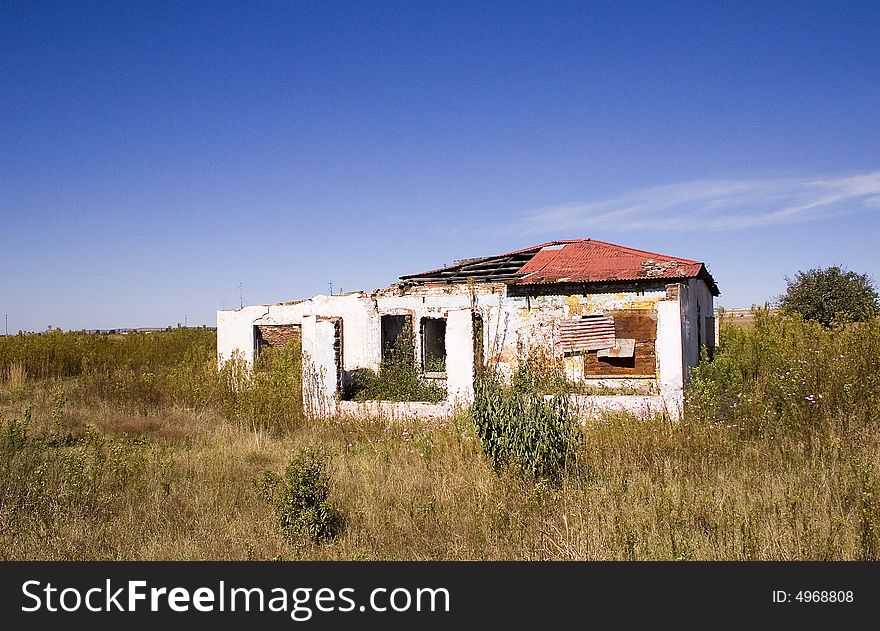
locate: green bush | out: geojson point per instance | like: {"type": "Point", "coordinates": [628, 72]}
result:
{"type": "Point", "coordinates": [302, 499]}
{"type": "Point", "coordinates": [541, 373]}
{"type": "Point", "coordinates": [522, 430]}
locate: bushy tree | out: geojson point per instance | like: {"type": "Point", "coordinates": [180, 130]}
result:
{"type": "Point", "coordinates": [830, 295]}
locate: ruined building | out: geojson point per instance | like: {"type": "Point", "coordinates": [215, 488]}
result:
{"type": "Point", "coordinates": [629, 322]}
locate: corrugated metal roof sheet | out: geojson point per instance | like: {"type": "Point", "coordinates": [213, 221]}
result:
{"type": "Point", "coordinates": [589, 333]}
{"type": "Point", "coordinates": [596, 261]}
{"type": "Point", "coordinates": [572, 261]}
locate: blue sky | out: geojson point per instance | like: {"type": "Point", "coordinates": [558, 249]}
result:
{"type": "Point", "coordinates": [153, 156]}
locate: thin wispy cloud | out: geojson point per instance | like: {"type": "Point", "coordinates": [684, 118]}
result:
{"type": "Point", "coordinates": [714, 205]}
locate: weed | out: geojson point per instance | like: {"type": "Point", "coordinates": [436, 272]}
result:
{"type": "Point", "coordinates": [785, 374]}
{"type": "Point", "coordinates": [301, 498]}
{"type": "Point", "coordinates": [13, 377]}
{"type": "Point", "coordinates": [523, 430]}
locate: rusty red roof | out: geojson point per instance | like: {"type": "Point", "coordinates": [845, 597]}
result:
{"type": "Point", "coordinates": [571, 261]}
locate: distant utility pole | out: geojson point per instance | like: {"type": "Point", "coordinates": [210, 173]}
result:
{"type": "Point", "coordinates": [240, 295]}
{"type": "Point", "coordinates": [223, 303]}
{"type": "Point", "coordinates": [331, 287]}
{"type": "Point", "coordinates": [184, 320]}
{"type": "Point", "coordinates": [7, 324]}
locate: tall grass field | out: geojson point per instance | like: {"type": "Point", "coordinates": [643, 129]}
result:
{"type": "Point", "coordinates": [138, 447]}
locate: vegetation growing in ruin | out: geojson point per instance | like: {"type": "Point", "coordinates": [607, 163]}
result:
{"type": "Point", "coordinates": [398, 377]}
{"type": "Point", "coordinates": [778, 457]}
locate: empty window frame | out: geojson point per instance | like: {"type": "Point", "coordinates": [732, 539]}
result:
{"type": "Point", "coordinates": [274, 335]}
{"type": "Point", "coordinates": [710, 336]}
{"type": "Point", "coordinates": [394, 327]}
{"type": "Point", "coordinates": [433, 336]}
{"type": "Point", "coordinates": [699, 329]}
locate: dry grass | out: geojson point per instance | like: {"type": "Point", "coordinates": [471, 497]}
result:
{"type": "Point", "coordinates": [783, 477]}
{"type": "Point", "coordinates": [638, 491]}
{"type": "Point", "coordinates": [13, 378]}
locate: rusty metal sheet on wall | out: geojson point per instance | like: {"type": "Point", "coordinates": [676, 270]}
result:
{"type": "Point", "coordinates": [589, 333]}
{"type": "Point", "coordinates": [621, 348]}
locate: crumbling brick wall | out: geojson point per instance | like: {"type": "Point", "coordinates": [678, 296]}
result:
{"type": "Point", "coordinates": [277, 335]}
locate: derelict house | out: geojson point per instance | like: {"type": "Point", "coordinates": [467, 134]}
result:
{"type": "Point", "coordinates": [624, 320]}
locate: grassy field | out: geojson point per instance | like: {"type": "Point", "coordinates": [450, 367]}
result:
{"type": "Point", "coordinates": [138, 448]}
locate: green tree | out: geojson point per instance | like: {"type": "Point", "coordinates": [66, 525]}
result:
{"type": "Point", "coordinates": [830, 295]}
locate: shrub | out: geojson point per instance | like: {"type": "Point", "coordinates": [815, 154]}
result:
{"type": "Point", "coordinates": [269, 398]}
{"type": "Point", "coordinates": [302, 499]}
{"type": "Point", "coordinates": [541, 373]}
{"type": "Point", "coordinates": [830, 295]}
{"type": "Point", "coordinates": [392, 384]}
{"type": "Point", "coordinates": [525, 431]}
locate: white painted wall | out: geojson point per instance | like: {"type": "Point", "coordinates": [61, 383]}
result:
{"type": "Point", "coordinates": [235, 334]}
{"type": "Point", "coordinates": [588, 408]}
{"type": "Point", "coordinates": [670, 364]}
{"type": "Point", "coordinates": [360, 327]}
{"type": "Point", "coordinates": [393, 410]}
{"type": "Point", "coordinates": [235, 327]}
{"type": "Point", "coordinates": [460, 356]}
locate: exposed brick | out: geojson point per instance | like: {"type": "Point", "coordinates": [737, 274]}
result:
{"type": "Point", "coordinates": [277, 335]}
